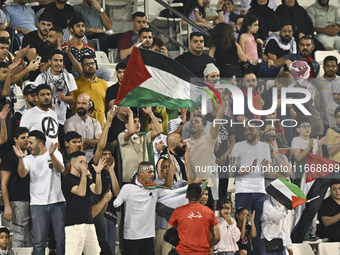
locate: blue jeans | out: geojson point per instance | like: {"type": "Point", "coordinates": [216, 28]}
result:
{"type": "Point", "coordinates": [264, 251]}
{"type": "Point", "coordinates": [252, 201]}
{"type": "Point", "coordinates": [42, 216]}
{"type": "Point", "coordinates": [111, 235]}
{"type": "Point", "coordinates": [226, 253]}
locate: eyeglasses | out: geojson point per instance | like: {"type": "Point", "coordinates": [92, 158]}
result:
{"type": "Point", "coordinates": [89, 64]}
{"type": "Point", "coordinates": [306, 126]}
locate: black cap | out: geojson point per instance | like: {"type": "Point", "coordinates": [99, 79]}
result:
{"type": "Point", "coordinates": [29, 89]}
{"type": "Point", "coordinates": [92, 107]}
{"type": "Point", "coordinates": [266, 135]}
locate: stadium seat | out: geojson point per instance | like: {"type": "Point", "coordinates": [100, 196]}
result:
{"type": "Point", "coordinates": [26, 250]}
{"type": "Point", "coordinates": [329, 249]}
{"type": "Point", "coordinates": [302, 249]}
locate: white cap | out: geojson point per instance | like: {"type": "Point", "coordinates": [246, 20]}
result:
{"type": "Point", "coordinates": [210, 69]}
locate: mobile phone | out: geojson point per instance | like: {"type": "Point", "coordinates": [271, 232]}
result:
{"type": "Point", "coordinates": [37, 59]}
{"type": "Point", "coordinates": [109, 188]}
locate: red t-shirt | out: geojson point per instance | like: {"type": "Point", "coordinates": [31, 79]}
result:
{"type": "Point", "coordinates": [194, 221]}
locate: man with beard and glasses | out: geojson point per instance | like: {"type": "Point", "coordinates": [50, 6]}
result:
{"type": "Point", "coordinates": [279, 45]}
{"type": "Point", "coordinates": [112, 91]}
{"type": "Point", "coordinates": [61, 12]}
{"type": "Point", "coordinates": [37, 41]}
{"type": "Point", "coordinates": [89, 128]}
{"type": "Point", "coordinates": [30, 101]}
{"type": "Point", "coordinates": [79, 49]}
{"type": "Point", "coordinates": [249, 179]}
{"type": "Point", "coordinates": [324, 86]}
{"type": "Point", "coordinates": [44, 167]}
{"type": "Point", "coordinates": [326, 21]}
{"type": "Point", "coordinates": [63, 85]}
{"type": "Point", "coordinates": [41, 117]}
{"type": "Point", "coordinates": [15, 192]}
{"type": "Point", "coordinates": [90, 84]}
{"type": "Point", "coordinates": [306, 47]}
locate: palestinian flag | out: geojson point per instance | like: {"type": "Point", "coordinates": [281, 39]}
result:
{"type": "Point", "coordinates": [314, 184]}
{"type": "Point", "coordinates": [152, 79]}
{"type": "Point", "coordinates": [288, 194]}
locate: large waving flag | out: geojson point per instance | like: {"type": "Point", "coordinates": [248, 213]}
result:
{"type": "Point", "coordinates": [315, 181]}
{"type": "Point", "coordinates": [152, 79]}
{"type": "Point", "coordinates": [288, 194]}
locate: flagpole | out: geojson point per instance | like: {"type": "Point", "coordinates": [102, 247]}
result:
{"type": "Point", "coordinates": [312, 199]}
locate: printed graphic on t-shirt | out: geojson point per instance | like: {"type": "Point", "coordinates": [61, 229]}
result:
{"type": "Point", "coordinates": [49, 127]}
{"type": "Point", "coordinates": [192, 215]}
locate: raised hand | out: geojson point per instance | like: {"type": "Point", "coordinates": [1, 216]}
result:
{"type": "Point", "coordinates": [110, 114]}
{"type": "Point", "coordinates": [321, 141]}
{"type": "Point", "coordinates": [252, 217]}
{"type": "Point", "coordinates": [22, 52]}
{"type": "Point", "coordinates": [147, 110]}
{"type": "Point", "coordinates": [34, 65]}
{"type": "Point", "coordinates": [52, 148]}
{"type": "Point", "coordinates": [98, 168]}
{"type": "Point", "coordinates": [107, 196]}
{"type": "Point", "coordinates": [172, 164]}
{"type": "Point", "coordinates": [111, 163]}
{"type": "Point", "coordinates": [18, 151]}
{"type": "Point", "coordinates": [4, 112]}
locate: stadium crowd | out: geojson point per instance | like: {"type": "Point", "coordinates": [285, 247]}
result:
{"type": "Point", "coordinates": [70, 158]}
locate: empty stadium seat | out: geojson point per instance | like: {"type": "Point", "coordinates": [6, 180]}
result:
{"type": "Point", "coordinates": [302, 249]}
{"type": "Point", "coordinates": [329, 249]}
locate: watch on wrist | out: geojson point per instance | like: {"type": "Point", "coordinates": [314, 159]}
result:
{"type": "Point", "coordinates": [101, 10]}
{"type": "Point", "coordinates": [181, 123]}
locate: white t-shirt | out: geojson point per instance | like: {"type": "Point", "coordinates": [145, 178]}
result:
{"type": "Point", "coordinates": [45, 181]}
{"type": "Point", "coordinates": [44, 121]}
{"type": "Point", "coordinates": [253, 182]}
{"type": "Point", "coordinates": [159, 138]}
{"type": "Point", "coordinates": [140, 210]}
{"type": "Point", "coordinates": [61, 108]}
{"type": "Point", "coordinates": [299, 143]}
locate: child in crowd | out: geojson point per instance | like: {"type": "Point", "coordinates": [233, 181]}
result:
{"type": "Point", "coordinates": [275, 225]}
{"type": "Point", "coordinates": [247, 231]}
{"type": "Point", "coordinates": [278, 128]}
{"type": "Point", "coordinates": [230, 233]}
{"type": "Point", "coordinates": [4, 241]}
{"type": "Point", "coordinates": [195, 11]}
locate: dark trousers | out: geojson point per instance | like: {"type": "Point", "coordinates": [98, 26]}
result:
{"type": "Point", "coordinates": [173, 252]}
{"type": "Point", "coordinates": [139, 247]}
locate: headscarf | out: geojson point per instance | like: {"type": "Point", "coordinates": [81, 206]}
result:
{"type": "Point", "coordinates": [134, 175]}
{"type": "Point", "coordinates": [296, 15]}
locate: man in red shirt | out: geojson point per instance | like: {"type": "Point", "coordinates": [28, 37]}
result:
{"type": "Point", "coordinates": [194, 222]}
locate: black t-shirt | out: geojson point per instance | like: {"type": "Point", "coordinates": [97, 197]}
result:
{"type": "Point", "coordinates": [244, 243]}
{"type": "Point", "coordinates": [66, 156]}
{"type": "Point", "coordinates": [33, 40]}
{"type": "Point", "coordinates": [111, 92]}
{"type": "Point", "coordinates": [60, 16]}
{"type": "Point", "coordinates": [196, 64]}
{"type": "Point", "coordinates": [273, 48]}
{"type": "Point", "coordinates": [18, 188]}
{"type": "Point", "coordinates": [225, 131]}
{"type": "Point", "coordinates": [329, 208]}
{"type": "Point", "coordinates": [116, 128]}
{"type": "Point", "coordinates": [78, 209]}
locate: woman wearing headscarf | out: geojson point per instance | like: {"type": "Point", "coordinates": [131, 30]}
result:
{"type": "Point", "coordinates": [268, 20]}
{"type": "Point", "coordinates": [291, 11]}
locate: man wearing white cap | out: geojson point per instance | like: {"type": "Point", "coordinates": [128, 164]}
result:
{"type": "Point", "coordinates": [332, 105]}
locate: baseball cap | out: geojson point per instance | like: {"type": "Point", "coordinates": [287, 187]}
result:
{"type": "Point", "coordinates": [266, 135]}
{"type": "Point", "coordinates": [92, 108]}
{"type": "Point", "coordinates": [29, 89]}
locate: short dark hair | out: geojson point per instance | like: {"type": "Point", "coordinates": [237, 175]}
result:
{"type": "Point", "coordinates": [76, 154]}
{"type": "Point", "coordinates": [138, 14]}
{"type": "Point", "coordinates": [194, 192]}
{"type": "Point", "coordinates": [334, 182]}
{"type": "Point", "coordinates": [72, 135]}
{"type": "Point", "coordinates": [41, 87]}
{"type": "Point", "coordinates": [255, 123]}
{"type": "Point", "coordinates": [40, 136]}
{"type": "Point", "coordinates": [144, 30]}
{"type": "Point", "coordinates": [337, 110]}
{"type": "Point", "coordinates": [157, 42]}
{"type": "Point", "coordinates": [19, 131]}
{"type": "Point", "coordinates": [204, 121]}
{"type": "Point", "coordinates": [302, 120]}
{"type": "Point", "coordinates": [108, 147]}
{"type": "Point", "coordinates": [4, 40]}
{"type": "Point", "coordinates": [55, 52]}
{"type": "Point", "coordinates": [77, 17]}
{"type": "Point", "coordinates": [307, 37]}
{"type": "Point", "coordinates": [58, 30]}
{"type": "Point", "coordinates": [330, 58]}
{"type": "Point", "coordinates": [126, 119]}
{"type": "Point", "coordinates": [157, 115]}
{"type": "Point", "coordinates": [3, 65]}
{"type": "Point", "coordinates": [87, 56]}
{"type": "Point", "coordinates": [121, 65]}
{"type": "Point", "coordinates": [222, 202]}
{"type": "Point", "coordinates": [46, 16]}
{"type": "Point", "coordinates": [286, 23]}
{"type": "Point", "coordinates": [195, 34]}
